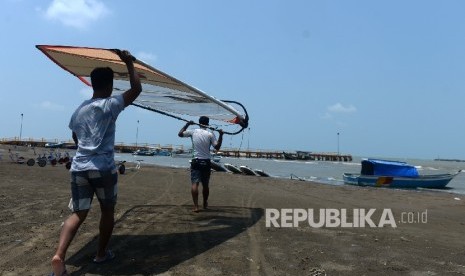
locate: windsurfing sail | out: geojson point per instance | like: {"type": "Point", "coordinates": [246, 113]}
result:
{"type": "Point", "coordinates": [161, 92]}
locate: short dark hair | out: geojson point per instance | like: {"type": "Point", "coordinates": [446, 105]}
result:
{"type": "Point", "coordinates": [101, 77]}
{"type": "Point", "coordinates": [204, 120]}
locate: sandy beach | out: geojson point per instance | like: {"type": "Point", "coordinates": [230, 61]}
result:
{"type": "Point", "coordinates": [157, 233]}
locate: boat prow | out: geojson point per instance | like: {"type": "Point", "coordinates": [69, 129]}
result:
{"type": "Point", "coordinates": [232, 168]}
{"type": "Point", "coordinates": [247, 171]}
{"type": "Point", "coordinates": [217, 166]}
{"type": "Point", "coordinates": [261, 173]}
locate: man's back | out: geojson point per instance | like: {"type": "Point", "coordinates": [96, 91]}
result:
{"type": "Point", "coordinates": [202, 140]}
{"type": "Point", "coordinates": [94, 125]}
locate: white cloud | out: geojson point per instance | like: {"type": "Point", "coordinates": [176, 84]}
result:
{"type": "Point", "coordinates": [146, 57]}
{"type": "Point", "coordinates": [326, 116]}
{"type": "Point", "coordinates": [47, 105]}
{"type": "Point", "coordinates": [76, 13]}
{"type": "Point", "coordinates": [339, 108]}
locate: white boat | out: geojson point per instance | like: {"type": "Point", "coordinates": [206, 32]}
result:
{"type": "Point", "coordinates": [232, 168]}
{"type": "Point", "coordinates": [261, 173]}
{"type": "Point", "coordinates": [217, 167]}
{"type": "Point", "coordinates": [54, 145]}
{"type": "Point", "coordinates": [246, 170]}
{"type": "Point", "coordinates": [141, 152]}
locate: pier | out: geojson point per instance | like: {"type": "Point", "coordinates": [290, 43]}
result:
{"type": "Point", "coordinates": [226, 152]}
{"type": "Point", "coordinates": [313, 156]}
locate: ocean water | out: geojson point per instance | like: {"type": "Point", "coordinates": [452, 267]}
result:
{"type": "Point", "coordinates": [326, 172]}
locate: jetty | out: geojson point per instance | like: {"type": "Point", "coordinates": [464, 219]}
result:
{"type": "Point", "coordinates": [226, 152]}
{"type": "Point", "coordinates": [268, 154]}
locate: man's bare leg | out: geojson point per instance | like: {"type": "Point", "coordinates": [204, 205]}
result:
{"type": "Point", "coordinates": [205, 193]}
{"type": "Point", "coordinates": [195, 196]}
{"type": "Point", "coordinates": [68, 231]}
{"type": "Point", "coordinates": [107, 223]}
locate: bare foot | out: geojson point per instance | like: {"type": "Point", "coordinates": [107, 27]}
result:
{"type": "Point", "coordinates": [196, 210]}
{"type": "Point", "coordinates": [58, 266]}
{"type": "Point", "coordinates": [205, 205]}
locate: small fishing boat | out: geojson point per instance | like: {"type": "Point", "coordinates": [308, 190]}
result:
{"type": "Point", "coordinates": [246, 170]}
{"type": "Point", "coordinates": [216, 157]}
{"type": "Point", "coordinates": [162, 153]}
{"type": "Point", "coordinates": [289, 156]}
{"type": "Point", "coordinates": [395, 174]}
{"type": "Point", "coordinates": [141, 152]}
{"type": "Point", "coordinates": [54, 145]}
{"type": "Point", "coordinates": [232, 168]}
{"type": "Point", "coordinates": [298, 155]}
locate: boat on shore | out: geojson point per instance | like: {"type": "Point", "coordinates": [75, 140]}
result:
{"type": "Point", "coordinates": [261, 173]}
{"type": "Point", "coordinates": [395, 174]}
{"type": "Point", "coordinates": [217, 166]}
{"type": "Point", "coordinates": [232, 168]}
{"type": "Point", "coordinates": [246, 170]}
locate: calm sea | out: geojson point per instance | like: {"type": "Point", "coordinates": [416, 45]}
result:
{"type": "Point", "coordinates": [319, 171]}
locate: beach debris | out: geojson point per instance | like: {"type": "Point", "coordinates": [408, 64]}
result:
{"type": "Point", "coordinates": [293, 176]}
{"type": "Point", "coordinates": [317, 272]}
{"type": "Point", "coordinates": [457, 198]}
{"type": "Point", "coordinates": [405, 239]}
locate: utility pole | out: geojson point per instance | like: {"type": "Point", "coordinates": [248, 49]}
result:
{"type": "Point", "coordinates": [21, 128]}
{"type": "Point", "coordinates": [137, 131]}
{"type": "Point", "coordinates": [248, 140]}
{"type": "Point", "coordinates": [338, 144]}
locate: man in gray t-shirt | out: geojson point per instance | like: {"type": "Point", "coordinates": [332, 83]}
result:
{"type": "Point", "coordinates": [202, 140]}
{"type": "Point", "coordinates": [93, 170]}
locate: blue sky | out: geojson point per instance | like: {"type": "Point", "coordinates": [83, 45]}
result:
{"type": "Point", "coordinates": [389, 76]}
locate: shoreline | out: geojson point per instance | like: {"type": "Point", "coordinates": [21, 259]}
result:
{"type": "Point", "coordinates": [156, 232]}
{"type": "Point", "coordinates": [28, 153]}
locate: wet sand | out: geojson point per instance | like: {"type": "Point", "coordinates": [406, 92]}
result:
{"type": "Point", "coordinates": [157, 233]}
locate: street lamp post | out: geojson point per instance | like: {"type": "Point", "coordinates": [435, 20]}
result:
{"type": "Point", "coordinates": [21, 128]}
{"type": "Point", "coordinates": [338, 144]}
{"type": "Point", "coordinates": [248, 140]}
{"type": "Point", "coordinates": [137, 131]}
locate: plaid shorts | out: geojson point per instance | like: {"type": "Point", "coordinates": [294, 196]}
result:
{"type": "Point", "coordinates": [87, 183]}
{"type": "Point", "coordinates": [200, 171]}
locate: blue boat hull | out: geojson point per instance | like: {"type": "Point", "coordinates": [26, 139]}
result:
{"type": "Point", "coordinates": [438, 181]}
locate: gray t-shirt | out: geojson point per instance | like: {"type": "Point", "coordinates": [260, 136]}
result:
{"type": "Point", "coordinates": [202, 140]}
{"type": "Point", "coordinates": [94, 125]}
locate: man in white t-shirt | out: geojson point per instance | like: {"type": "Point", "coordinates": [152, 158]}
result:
{"type": "Point", "coordinates": [202, 140]}
{"type": "Point", "coordinates": [93, 169]}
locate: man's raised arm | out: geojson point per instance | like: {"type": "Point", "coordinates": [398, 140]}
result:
{"type": "Point", "coordinates": [136, 87]}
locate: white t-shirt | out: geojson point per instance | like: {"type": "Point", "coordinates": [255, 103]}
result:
{"type": "Point", "coordinates": [94, 125]}
{"type": "Point", "coordinates": [202, 140]}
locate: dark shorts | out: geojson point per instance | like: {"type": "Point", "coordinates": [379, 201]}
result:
{"type": "Point", "coordinates": [200, 171]}
{"type": "Point", "coordinates": [87, 183]}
